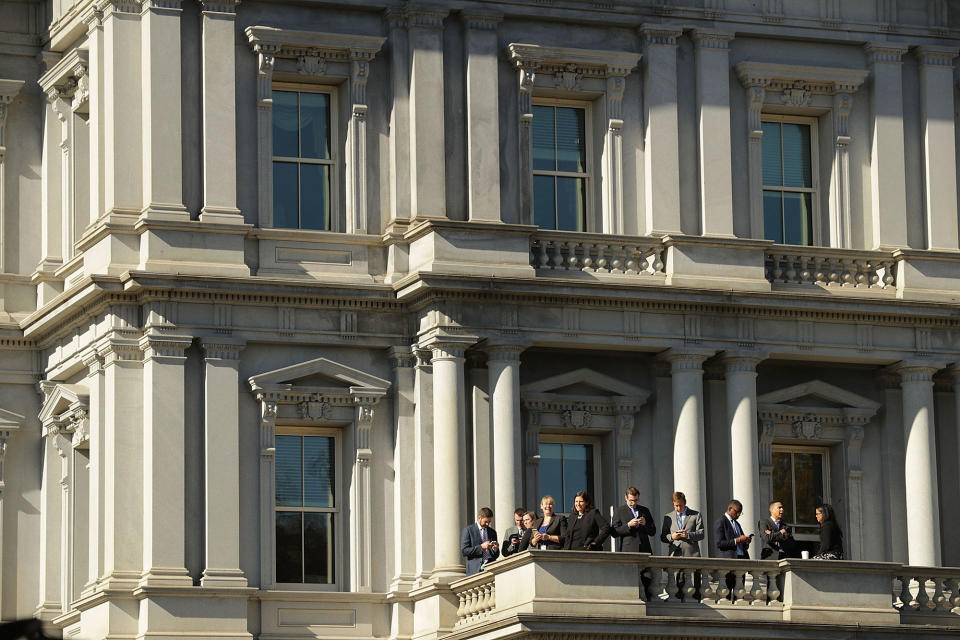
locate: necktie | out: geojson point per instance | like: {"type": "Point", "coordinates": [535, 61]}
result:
{"type": "Point", "coordinates": [483, 538]}
{"type": "Point", "coordinates": [633, 511]}
{"type": "Point", "coordinates": [680, 520]}
{"type": "Point", "coordinates": [739, 532]}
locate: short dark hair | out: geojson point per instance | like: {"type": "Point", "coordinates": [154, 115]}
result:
{"type": "Point", "coordinates": [678, 495]}
{"type": "Point", "coordinates": [519, 511]}
{"type": "Point", "coordinates": [734, 503]}
{"type": "Point", "coordinates": [773, 502]}
{"type": "Point", "coordinates": [632, 491]}
{"type": "Point", "coordinates": [485, 512]}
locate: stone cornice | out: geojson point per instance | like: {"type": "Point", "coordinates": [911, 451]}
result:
{"type": "Point", "coordinates": [333, 47]}
{"type": "Point", "coordinates": [934, 56]}
{"type": "Point", "coordinates": [63, 72]}
{"type": "Point", "coordinates": [586, 62]}
{"type": "Point", "coordinates": [885, 52]}
{"type": "Point", "coordinates": [711, 39]}
{"type": "Point", "coordinates": [821, 80]}
{"type": "Point", "coordinates": [479, 20]}
{"type": "Point", "coordinates": [660, 35]}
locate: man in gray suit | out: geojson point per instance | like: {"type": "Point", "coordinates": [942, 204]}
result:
{"type": "Point", "coordinates": [511, 539]}
{"type": "Point", "coordinates": [682, 532]}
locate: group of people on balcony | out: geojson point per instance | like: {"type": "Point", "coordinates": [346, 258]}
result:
{"type": "Point", "coordinates": [586, 529]}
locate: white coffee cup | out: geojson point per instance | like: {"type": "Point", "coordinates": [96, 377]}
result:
{"type": "Point", "coordinates": [805, 555]}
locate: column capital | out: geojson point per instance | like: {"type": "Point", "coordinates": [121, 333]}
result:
{"type": "Point", "coordinates": [712, 39]}
{"type": "Point", "coordinates": [686, 358]}
{"type": "Point", "coordinates": [108, 7]}
{"type": "Point", "coordinates": [659, 35]}
{"type": "Point", "coordinates": [168, 5]}
{"type": "Point", "coordinates": [447, 347]}
{"type": "Point", "coordinates": [219, 6]}
{"type": "Point", "coordinates": [506, 351]}
{"type": "Point", "coordinates": [425, 16]}
{"type": "Point", "coordinates": [885, 52]}
{"type": "Point", "coordinates": [480, 20]}
{"type": "Point", "coordinates": [115, 350]}
{"type": "Point", "coordinates": [164, 346]}
{"type": "Point", "coordinates": [936, 56]}
{"type": "Point", "coordinates": [222, 348]}
{"type": "Point", "coordinates": [916, 371]}
{"type": "Point", "coordinates": [743, 361]}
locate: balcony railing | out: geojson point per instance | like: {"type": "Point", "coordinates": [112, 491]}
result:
{"type": "Point", "coordinates": [827, 267]}
{"type": "Point", "coordinates": [596, 253]}
{"type": "Point", "coordinates": [622, 586]}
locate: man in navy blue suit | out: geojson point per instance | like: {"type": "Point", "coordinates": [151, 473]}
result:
{"type": "Point", "coordinates": [730, 539]}
{"type": "Point", "coordinates": [478, 542]}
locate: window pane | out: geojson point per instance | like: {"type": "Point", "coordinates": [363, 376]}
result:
{"type": "Point", "coordinates": [289, 471]}
{"type": "Point", "coordinates": [318, 548]}
{"type": "Point", "coordinates": [571, 200]}
{"type": "Point", "coordinates": [318, 471]}
{"type": "Point", "coordinates": [551, 473]}
{"type": "Point", "coordinates": [571, 146]}
{"type": "Point", "coordinates": [314, 125]}
{"type": "Point", "coordinates": [314, 196]}
{"type": "Point", "coordinates": [577, 471]}
{"type": "Point", "coordinates": [808, 474]}
{"type": "Point", "coordinates": [772, 216]}
{"type": "Point", "coordinates": [797, 219]}
{"type": "Point", "coordinates": [783, 483]}
{"type": "Point", "coordinates": [289, 547]}
{"type": "Point", "coordinates": [797, 170]}
{"type": "Point", "coordinates": [544, 157]}
{"type": "Point", "coordinates": [771, 154]}
{"type": "Point", "coordinates": [285, 203]}
{"type": "Point", "coordinates": [544, 206]}
{"type": "Point", "coordinates": [285, 125]}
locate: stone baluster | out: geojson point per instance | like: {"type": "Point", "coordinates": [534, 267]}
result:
{"type": "Point", "coordinates": [922, 599]}
{"type": "Point", "coordinates": [572, 261]}
{"type": "Point", "coordinates": [670, 577]}
{"type": "Point", "coordinates": [557, 260]}
{"type": "Point", "coordinates": [542, 257]}
{"type": "Point", "coordinates": [707, 592]}
{"type": "Point", "coordinates": [588, 262]}
{"type": "Point", "coordinates": [602, 258]}
{"type": "Point", "coordinates": [773, 593]}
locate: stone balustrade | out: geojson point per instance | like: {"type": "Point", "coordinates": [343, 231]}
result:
{"type": "Point", "coordinates": [477, 597]}
{"type": "Point", "coordinates": [638, 586]}
{"type": "Point", "coordinates": [826, 267]}
{"type": "Point", "coordinates": [596, 253]}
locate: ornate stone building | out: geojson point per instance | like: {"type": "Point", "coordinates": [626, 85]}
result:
{"type": "Point", "coordinates": [289, 289]}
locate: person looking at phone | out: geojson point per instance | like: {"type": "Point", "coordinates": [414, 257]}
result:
{"type": "Point", "coordinates": [730, 539]}
{"type": "Point", "coordinates": [513, 534]}
{"type": "Point", "coordinates": [478, 542]}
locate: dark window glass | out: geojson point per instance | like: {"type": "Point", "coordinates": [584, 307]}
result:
{"type": "Point", "coordinates": [318, 472]}
{"type": "Point", "coordinates": [286, 205]}
{"type": "Point", "coordinates": [773, 216]}
{"type": "Point", "coordinates": [285, 124]}
{"type": "Point", "coordinates": [571, 203]}
{"type": "Point", "coordinates": [797, 167]}
{"type": "Point", "coordinates": [318, 548]}
{"type": "Point", "coordinates": [314, 125]}
{"type": "Point", "coordinates": [787, 173]}
{"type": "Point", "coordinates": [289, 549]}
{"type": "Point", "coordinates": [571, 145]}
{"type": "Point", "coordinates": [551, 472]}
{"type": "Point", "coordinates": [798, 481]}
{"type": "Point", "coordinates": [772, 167]}
{"type": "Point", "coordinates": [544, 143]}
{"type": "Point", "coordinates": [565, 469]}
{"type": "Point", "coordinates": [797, 218]}
{"type": "Point", "coordinates": [314, 196]}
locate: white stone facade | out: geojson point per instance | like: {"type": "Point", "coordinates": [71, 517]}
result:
{"type": "Point", "coordinates": [163, 336]}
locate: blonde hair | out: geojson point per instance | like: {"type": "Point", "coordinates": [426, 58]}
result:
{"type": "Point", "coordinates": [548, 500]}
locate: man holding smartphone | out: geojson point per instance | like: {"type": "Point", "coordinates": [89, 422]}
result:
{"type": "Point", "coordinates": [478, 542]}
{"type": "Point", "coordinates": [513, 535]}
{"type": "Point", "coordinates": [730, 539]}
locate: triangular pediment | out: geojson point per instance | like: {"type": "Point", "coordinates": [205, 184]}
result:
{"type": "Point", "coordinates": [64, 397]}
{"type": "Point", "coordinates": [10, 421]}
{"type": "Point", "coordinates": [320, 372]}
{"type": "Point", "coordinates": [583, 382]}
{"type": "Point", "coordinates": [817, 394]}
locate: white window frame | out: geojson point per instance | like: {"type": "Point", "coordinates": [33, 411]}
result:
{"type": "Point", "coordinates": [825, 452]}
{"type": "Point", "coordinates": [814, 191]}
{"type": "Point", "coordinates": [333, 162]}
{"type": "Point", "coordinates": [587, 107]}
{"type": "Point", "coordinates": [338, 568]}
{"type": "Point", "coordinates": [596, 443]}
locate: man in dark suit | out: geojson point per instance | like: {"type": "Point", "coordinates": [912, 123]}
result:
{"type": "Point", "coordinates": [633, 524]}
{"type": "Point", "coordinates": [776, 539]}
{"type": "Point", "coordinates": [730, 539]}
{"type": "Point", "coordinates": [478, 542]}
{"type": "Point", "coordinates": [513, 535]}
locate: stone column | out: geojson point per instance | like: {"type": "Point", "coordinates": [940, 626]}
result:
{"type": "Point", "coordinates": [503, 365]}
{"type": "Point", "coordinates": [427, 146]}
{"type": "Point", "coordinates": [222, 463]}
{"type": "Point", "coordinates": [480, 427]}
{"type": "Point", "coordinates": [741, 378]}
{"type": "Point", "coordinates": [10, 424]}
{"type": "Point", "coordinates": [122, 456]}
{"type": "Point", "coordinates": [357, 143]}
{"type": "Point", "coordinates": [613, 221]}
{"type": "Point", "coordinates": [891, 461]}
{"type": "Point", "coordinates": [424, 472]}
{"type": "Point", "coordinates": [361, 510]}
{"type": "Point", "coordinates": [95, 126]}
{"type": "Point", "coordinates": [689, 455]}
{"type": "Point", "coordinates": [661, 152]}
{"type": "Point", "coordinates": [448, 429]}
{"type": "Point", "coordinates": [122, 120]}
{"type": "Point", "coordinates": [922, 517]}
{"type": "Point", "coordinates": [887, 160]}
{"type": "Point", "coordinates": [94, 384]}
{"type": "Point", "coordinates": [404, 467]}
{"type": "Point", "coordinates": [713, 120]}
{"type": "Point", "coordinates": [52, 198]}
{"type": "Point", "coordinates": [483, 122]}
{"type": "Point", "coordinates": [841, 231]}
{"type": "Point", "coordinates": [50, 604]}
{"type": "Point", "coordinates": [219, 112]}
{"type": "Point", "coordinates": [939, 146]}
{"type": "Point", "coordinates": [162, 131]}
{"type": "Point", "coordinates": [8, 91]}
{"type": "Point", "coordinates": [527, 75]}
{"type": "Point", "coordinates": [164, 517]}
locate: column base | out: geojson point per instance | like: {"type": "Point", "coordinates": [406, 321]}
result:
{"type": "Point", "coordinates": [223, 578]}
{"type": "Point", "coordinates": [221, 215]}
{"type": "Point", "coordinates": [166, 577]}
{"type": "Point", "coordinates": [123, 580]}
{"type": "Point", "coordinates": [174, 213]}
{"type": "Point", "coordinates": [48, 611]}
{"type": "Point", "coordinates": [445, 574]}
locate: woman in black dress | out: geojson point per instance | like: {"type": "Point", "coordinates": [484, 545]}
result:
{"type": "Point", "coordinates": [587, 530]}
{"type": "Point", "coordinates": [831, 537]}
